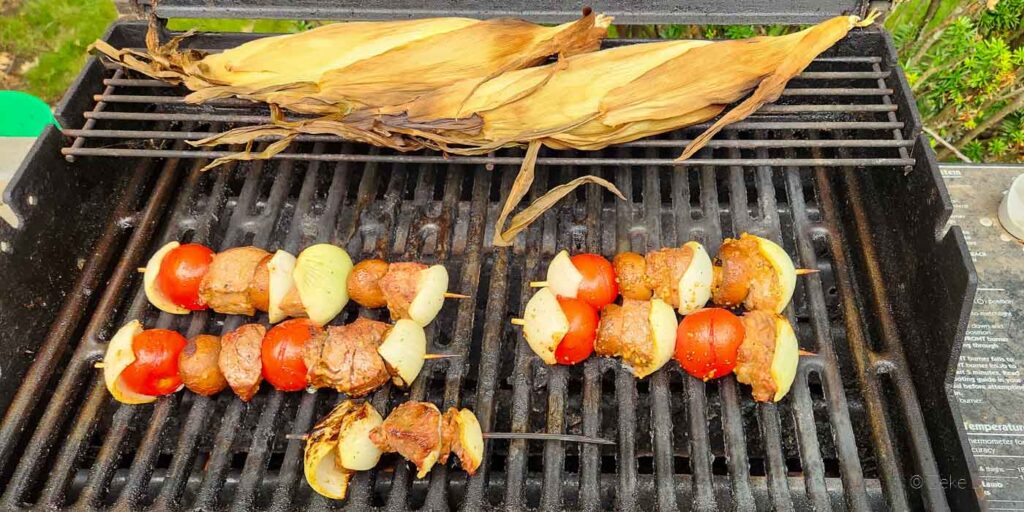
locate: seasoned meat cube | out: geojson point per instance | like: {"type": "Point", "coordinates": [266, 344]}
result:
{"type": "Point", "coordinates": [745, 276]}
{"type": "Point", "coordinates": [225, 287]}
{"type": "Point", "coordinates": [665, 267]}
{"type": "Point", "coordinates": [630, 268]}
{"type": "Point", "coordinates": [259, 286]}
{"type": "Point", "coordinates": [399, 287]}
{"type": "Point", "coordinates": [348, 360]}
{"type": "Point", "coordinates": [364, 283]}
{"type": "Point", "coordinates": [625, 331]}
{"type": "Point", "coordinates": [239, 359]}
{"type": "Point", "coordinates": [754, 359]}
{"type": "Point", "coordinates": [414, 430]}
{"type": "Point", "coordinates": [198, 365]}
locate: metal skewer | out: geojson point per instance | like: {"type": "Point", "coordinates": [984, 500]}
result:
{"type": "Point", "coordinates": [529, 436]}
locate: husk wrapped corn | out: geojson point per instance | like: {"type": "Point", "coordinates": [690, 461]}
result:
{"type": "Point", "coordinates": [587, 101]}
{"type": "Point", "coordinates": [341, 67]}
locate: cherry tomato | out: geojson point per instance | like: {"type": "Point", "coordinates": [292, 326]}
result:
{"type": "Point", "coordinates": [578, 343]}
{"type": "Point", "coordinates": [707, 342]}
{"type": "Point", "coordinates": [181, 271]}
{"type": "Point", "coordinates": [598, 287]}
{"type": "Point", "coordinates": [282, 349]}
{"type": "Point", "coordinates": [155, 369]}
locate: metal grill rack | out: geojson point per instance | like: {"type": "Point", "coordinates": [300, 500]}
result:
{"type": "Point", "coordinates": [849, 436]}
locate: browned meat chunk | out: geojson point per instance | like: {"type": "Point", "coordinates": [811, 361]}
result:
{"type": "Point", "coordinates": [259, 287]}
{"type": "Point", "coordinates": [197, 366]}
{"type": "Point", "coordinates": [239, 359]}
{"type": "Point", "coordinates": [348, 360]}
{"type": "Point", "coordinates": [630, 268]}
{"type": "Point", "coordinates": [664, 269]}
{"type": "Point", "coordinates": [754, 360]}
{"type": "Point", "coordinates": [414, 430]}
{"type": "Point", "coordinates": [449, 434]}
{"type": "Point", "coordinates": [399, 287]}
{"type": "Point", "coordinates": [364, 283]}
{"type": "Point", "coordinates": [291, 304]}
{"type": "Point", "coordinates": [625, 331]}
{"type": "Point", "coordinates": [744, 276]}
{"type": "Point", "coordinates": [225, 287]}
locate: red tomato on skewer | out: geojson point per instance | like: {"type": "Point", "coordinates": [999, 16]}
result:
{"type": "Point", "coordinates": [155, 369]}
{"type": "Point", "coordinates": [578, 343]}
{"type": "Point", "coordinates": [281, 353]}
{"type": "Point", "coordinates": [707, 343]}
{"type": "Point", "coordinates": [598, 287]}
{"type": "Point", "coordinates": [181, 272]}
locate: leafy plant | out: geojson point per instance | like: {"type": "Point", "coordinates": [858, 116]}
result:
{"type": "Point", "coordinates": [967, 71]}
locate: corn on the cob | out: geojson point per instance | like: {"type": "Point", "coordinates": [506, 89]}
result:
{"type": "Point", "coordinates": [344, 66]}
{"type": "Point", "coordinates": [587, 102]}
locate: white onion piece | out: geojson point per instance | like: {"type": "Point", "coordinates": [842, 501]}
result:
{"type": "Point", "coordinates": [281, 267]}
{"type": "Point", "coordinates": [403, 349]}
{"type": "Point", "coordinates": [544, 324]}
{"type": "Point", "coordinates": [471, 438]}
{"type": "Point", "coordinates": [430, 290]}
{"type": "Point", "coordinates": [118, 356]}
{"type": "Point", "coordinates": [321, 276]}
{"type": "Point", "coordinates": [786, 358]}
{"type": "Point", "coordinates": [784, 270]}
{"type": "Point", "coordinates": [695, 285]}
{"type": "Point", "coordinates": [153, 293]}
{"type": "Point", "coordinates": [663, 335]}
{"type": "Point", "coordinates": [563, 277]}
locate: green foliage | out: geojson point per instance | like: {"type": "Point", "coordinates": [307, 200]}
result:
{"type": "Point", "coordinates": [49, 38]}
{"type": "Point", "coordinates": [966, 71]}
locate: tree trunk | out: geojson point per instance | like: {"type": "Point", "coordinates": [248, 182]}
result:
{"type": "Point", "coordinates": [993, 120]}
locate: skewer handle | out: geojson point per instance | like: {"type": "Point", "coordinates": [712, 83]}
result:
{"type": "Point", "coordinates": [98, 364]}
{"type": "Point", "coordinates": [538, 284]}
{"type": "Point", "coordinates": [455, 296]}
{"type": "Point", "coordinates": [805, 271]}
{"type": "Point", "coordinates": [141, 270]}
{"type": "Point", "coordinates": [806, 353]}
{"type": "Point", "coordinates": [518, 321]}
{"type": "Point", "coordinates": [428, 357]}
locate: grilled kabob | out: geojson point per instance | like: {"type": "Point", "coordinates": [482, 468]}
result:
{"type": "Point", "coordinates": [760, 347]}
{"type": "Point", "coordinates": [750, 271]}
{"type": "Point", "coordinates": [354, 436]}
{"type": "Point", "coordinates": [141, 365]}
{"type": "Point", "coordinates": [317, 284]}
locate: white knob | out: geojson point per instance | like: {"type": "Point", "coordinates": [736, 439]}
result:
{"type": "Point", "coordinates": [1011, 211]}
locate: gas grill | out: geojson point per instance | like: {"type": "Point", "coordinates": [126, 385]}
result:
{"type": "Point", "coordinates": [836, 172]}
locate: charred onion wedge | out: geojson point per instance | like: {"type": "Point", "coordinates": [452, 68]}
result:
{"type": "Point", "coordinates": [353, 436]}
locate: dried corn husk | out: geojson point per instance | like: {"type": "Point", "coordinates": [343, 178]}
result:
{"type": "Point", "coordinates": [586, 102]}
{"type": "Point", "coordinates": [344, 66]}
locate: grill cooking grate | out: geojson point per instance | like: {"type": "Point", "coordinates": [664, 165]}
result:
{"type": "Point", "coordinates": [845, 437]}
{"type": "Point", "coordinates": [839, 92]}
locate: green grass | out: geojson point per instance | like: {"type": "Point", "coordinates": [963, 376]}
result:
{"type": "Point", "coordinates": [52, 36]}
{"type": "Point", "coordinates": [56, 32]}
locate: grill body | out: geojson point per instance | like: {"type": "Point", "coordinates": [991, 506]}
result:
{"type": "Point", "coordinates": [835, 172]}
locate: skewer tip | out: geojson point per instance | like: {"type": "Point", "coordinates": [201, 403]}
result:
{"type": "Point", "coordinates": [428, 357]}
{"type": "Point", "coordinates": [518, 321]}
{"type": "Point", "coordinates": [538, 284]}
{"type": "Point", "coordinates": [455, 296]}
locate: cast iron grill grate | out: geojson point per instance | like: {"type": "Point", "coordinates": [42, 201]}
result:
{"type": "Point", "coordinates": [847, 437]}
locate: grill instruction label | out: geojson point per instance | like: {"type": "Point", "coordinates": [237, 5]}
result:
{"type": "Point", "coordinates": [989, 382]}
